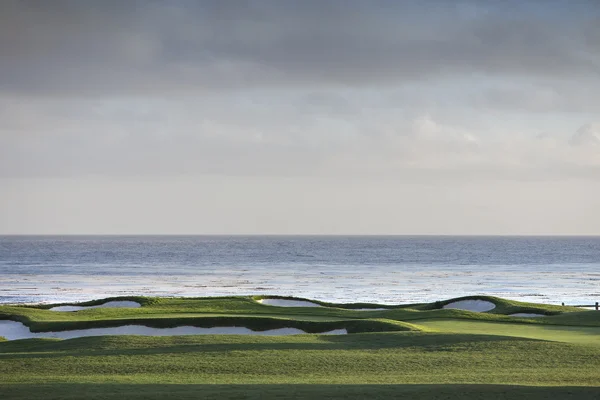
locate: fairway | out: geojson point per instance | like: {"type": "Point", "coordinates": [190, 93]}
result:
{"type": "Point", "coordinates": [567, 334]}
{"type": "Point", "coordinates": [416, 351]}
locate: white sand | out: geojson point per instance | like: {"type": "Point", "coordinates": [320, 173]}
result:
{"type": "Point", "coordinates": [526, 315]}
{"type": "Point", "coordinates": [366, 309]}
{"type": "Point", "coordinates": [472, 305]}
{"type": "Point", "coordinates": [288, 303]}
{"type": "Point", "coordinates": [12, 330]}
{"type": "Point", "coordinates": [110, 304]}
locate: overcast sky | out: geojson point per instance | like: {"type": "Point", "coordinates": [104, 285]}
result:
{"type": "Point", "coordinates": [300, 117]}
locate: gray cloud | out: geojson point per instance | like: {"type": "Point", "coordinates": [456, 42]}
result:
{"type": "Point", "coordinates": [49, 138]}
{"type": "Point", "coordinates": [322, 73]}
{"type": "Point", "coordinates": [307, 116]}
{"type": "Point", "coordinates": [111, 47]}
{"type": "Point", "coordinates": [587, 135]}
{"type": "Point", "coordinates": [541, 96]}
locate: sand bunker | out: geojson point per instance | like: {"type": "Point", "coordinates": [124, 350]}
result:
{"type": "Point", "coordinates": [472, 305]}
{"type": "Point", "coordinates": [288, 303]}
{"type": "Point", "coordinates": [110, 304]}
{"type": "Point", "coordinates": [12, 330]}
{"type": "Point", "coordinates": [366, 309]}
{"type": "Point", "coordinates": [526, 315]}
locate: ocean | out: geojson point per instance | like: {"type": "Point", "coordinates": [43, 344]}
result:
{"type": "Point", "coordinates": [380, 269]}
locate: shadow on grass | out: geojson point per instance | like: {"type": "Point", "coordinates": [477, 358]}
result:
{"type": "Point", "coordinates": [342, 392]}
{"type": "Point", "coordinates": [118, 345]}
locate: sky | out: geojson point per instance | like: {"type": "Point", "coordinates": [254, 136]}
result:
{"type": "Point", "coordinates": [300, 117]}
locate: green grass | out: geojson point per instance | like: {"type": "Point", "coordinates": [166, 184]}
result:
{"type": "Point", "coordinates": [173, 308]}
{"type": "Point", "coordinates": [569, 334]}
{"type": "Point", "coordinates": [253, 323]}
{"type": "Point", "coordinates": [379, 358]}
{"type": "Point", "coordinates": [416, 352]}
{"type": "Point", "coordinates": [283, 392]}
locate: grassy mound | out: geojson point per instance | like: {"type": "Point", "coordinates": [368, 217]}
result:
{"type": "Point", "coordinates": [247, 312]}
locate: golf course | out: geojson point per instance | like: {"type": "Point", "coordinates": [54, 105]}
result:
{"type": "Point", "coordinates": [261, 347]}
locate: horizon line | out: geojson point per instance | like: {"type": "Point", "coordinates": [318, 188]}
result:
{"type": "Point", "coordinates": [289, 235]}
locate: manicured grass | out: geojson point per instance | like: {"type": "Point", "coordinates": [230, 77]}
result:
{"type": "Point", "coordinates": [245, 306]}
{"type": "Point", "coordinates": [569, 334]}
{"type": "Point", "coordinates": [416, 352]}
{"type": "Point", "coordinates": [379, 358]}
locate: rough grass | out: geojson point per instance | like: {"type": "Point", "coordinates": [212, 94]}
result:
{"type": "Point", "coordinates": [283, 392]}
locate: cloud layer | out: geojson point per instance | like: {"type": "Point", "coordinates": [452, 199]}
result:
{"type": "Point", "coordinates": [155, 47]}
{"type": "Point", "coordinates": [276, 116]}
{"type": "Point", "coordinates": [184, 138]}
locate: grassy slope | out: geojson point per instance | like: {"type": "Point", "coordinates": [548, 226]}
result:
{"type": "Point", "coordinates": [411, 364]}
{"type": "Point", "coordinates": [366, 361]}
{"type": "Point", "coordinates": [361, 358]}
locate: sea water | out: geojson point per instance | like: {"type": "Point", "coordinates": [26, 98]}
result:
{"type": "Point", "coordinates": [380, 269]}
